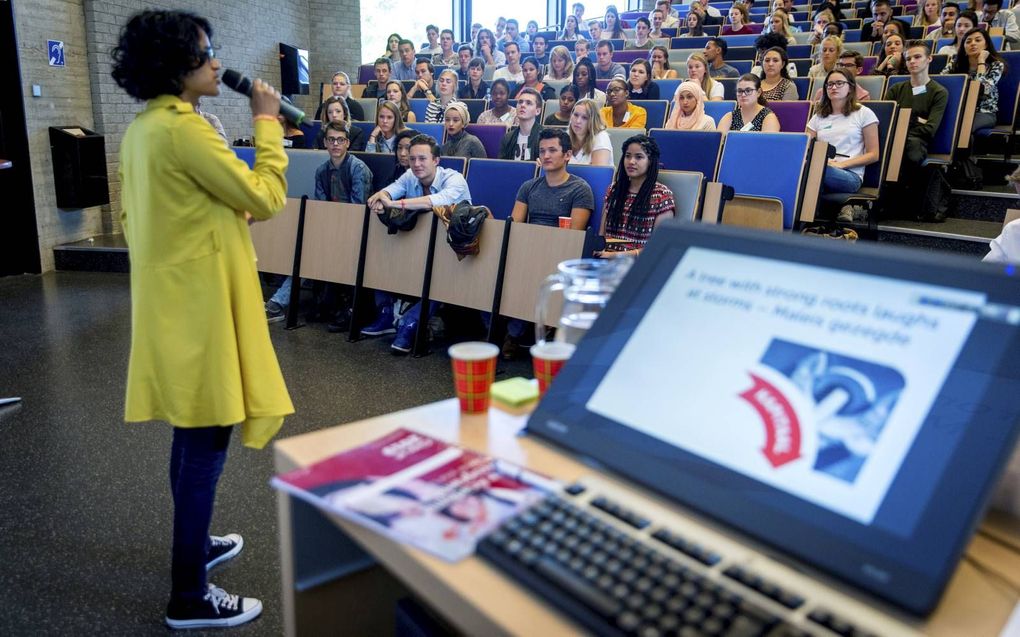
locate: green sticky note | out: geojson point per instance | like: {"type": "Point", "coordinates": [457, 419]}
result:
{"type": "Point", "coordinates": [515, 392]}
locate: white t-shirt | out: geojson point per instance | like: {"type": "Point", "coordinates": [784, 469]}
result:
{"type": "Point", "coordinates": [948, 49]}
{"type": "Point", "coordinates": [523, 152]}
{"type": "Point", "coordinates": [504, 73]}
{"type": "Point", "coordinates": [601, 142]}
{"type": "Point", "coordinates": [845, 133]}
{"type": "Point", "coordinates": [717, 91]}
{"type": "Point", "coordinates": [1005, 248]}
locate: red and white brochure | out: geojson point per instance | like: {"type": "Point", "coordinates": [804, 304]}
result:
{"type": "Point", "coordinates": [419, 490]}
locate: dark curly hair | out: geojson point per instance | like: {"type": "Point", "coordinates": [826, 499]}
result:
{"type": "Point", "coordinates": [156, 50]}
{"type": "Point", "coordinates": [621, 187]}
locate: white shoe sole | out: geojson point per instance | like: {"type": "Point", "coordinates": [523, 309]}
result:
{"type": "Point", "coordinates": [229, 555]}
{"type": "Point", "coordinates": [226, 622]}
{"type": "Point", "coordinates": [382, 332]}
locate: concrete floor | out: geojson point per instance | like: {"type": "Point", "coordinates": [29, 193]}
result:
{"type": "Point", "coordinates": [85, 510]}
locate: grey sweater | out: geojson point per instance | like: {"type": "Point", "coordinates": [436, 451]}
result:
{"type": "Point", "coordinates": [464, 145]}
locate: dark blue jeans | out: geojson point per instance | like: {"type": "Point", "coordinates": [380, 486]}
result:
{"type": "Point", "coordinates": [196, 462]}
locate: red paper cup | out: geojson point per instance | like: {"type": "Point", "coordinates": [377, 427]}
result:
{"type": "Point", "coordinates": [548, 358]}
{"type": "Point", "coordinates": [474, 368]}
{"type": "Point", "coordinates": [565, 222]}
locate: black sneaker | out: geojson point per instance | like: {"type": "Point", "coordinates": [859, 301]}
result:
{"type": "Point", "coordinates": [223, 548]}
{"type": "Point", "coordinates": [218, 609]}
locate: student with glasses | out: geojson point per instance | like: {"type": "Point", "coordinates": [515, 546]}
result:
{"type": "Point", "coordinates": [851, 62]}
{"type": "Point", "coordinates": [752, 112]}
{"type": "Point", "coordinates": [849, 127]}
{"type": "Point", "coordinates": [335, 109]}
{"type": "Point", "coordinates": [619, 112]}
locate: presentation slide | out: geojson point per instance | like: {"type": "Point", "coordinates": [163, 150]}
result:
{"type": "Point", "coordinates": [812, 380]}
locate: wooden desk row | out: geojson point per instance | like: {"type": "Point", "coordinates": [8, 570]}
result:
{"type": "Point", "coordinates": [345, 243]}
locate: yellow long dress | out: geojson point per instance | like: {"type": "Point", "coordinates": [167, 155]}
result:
{"type": "Point", "coordinates": [200, 348]}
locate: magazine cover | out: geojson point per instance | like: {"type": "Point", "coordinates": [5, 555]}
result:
{"type": "Point", "coordinates": [415, 489]}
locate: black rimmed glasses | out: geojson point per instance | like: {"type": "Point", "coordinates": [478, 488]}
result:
{"type": "Point", "coordinates": [746, 91]}
{"type": "Point", "coordinates": [336, 141]}
{"type": "Point", "coordinates": [836, 84]}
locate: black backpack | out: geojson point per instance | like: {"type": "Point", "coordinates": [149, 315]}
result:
{"type": "Point", "coordinates": [935, 197]}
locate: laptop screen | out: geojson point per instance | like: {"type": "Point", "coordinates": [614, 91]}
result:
{"type": "Point", "coordinates": [849, 404]}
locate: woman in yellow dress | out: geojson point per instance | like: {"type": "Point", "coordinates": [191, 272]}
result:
{"type": "Point", "coordinates": [201, 358]}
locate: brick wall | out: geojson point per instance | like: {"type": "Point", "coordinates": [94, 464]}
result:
{"type": "Point", "coordinates": [246, 36]}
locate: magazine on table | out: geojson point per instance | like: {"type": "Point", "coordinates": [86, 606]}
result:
{"type": "Point", "coordinates": [419, 490]}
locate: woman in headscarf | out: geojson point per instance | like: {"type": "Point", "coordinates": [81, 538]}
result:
{"type": "Point", "coordinates": [689, 109]}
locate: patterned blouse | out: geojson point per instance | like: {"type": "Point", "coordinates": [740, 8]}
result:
{"type": "Point", "coordinates": [635, 229]}
{"type": "Point", "coordinates": [778, 92]}
{"type": "Point", "coordinates": [988, 100]}
{"type": "Point", "coordinates": [738, 119]}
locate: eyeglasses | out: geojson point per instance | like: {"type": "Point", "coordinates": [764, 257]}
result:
{"type": "Point", "coordinates": [846, 65]}
{"type": "Point", "coordinates": [616, 89]}
{"type": "Point", "coordinates": [746, 91]}
{"type": "Point", "coordinates": [336, 141]}
{"type": "Point", "coordinates": [209, 53]}
{"type": "Point", "coordinates": [836, 84]}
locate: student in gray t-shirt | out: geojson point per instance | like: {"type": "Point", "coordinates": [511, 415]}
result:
{"type": "Point", "coordinates": [543, 200]}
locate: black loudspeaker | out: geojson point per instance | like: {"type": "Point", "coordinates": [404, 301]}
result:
{"type": "Point", "coordinates": [79, 167]}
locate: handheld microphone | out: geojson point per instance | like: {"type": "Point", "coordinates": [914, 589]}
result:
{"type": "Point", "coordinates": [243, 85]}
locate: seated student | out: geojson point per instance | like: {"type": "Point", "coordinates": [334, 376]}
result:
{"type": "Point", "coordinates": [341, 86]}
{"type": "Point", "coordinates": [594, 31]}
{"type": "Point", "coordinates": [562, 116]}
{"type": "Point", "coordinates": [393, 47]}
{"type": "Point", "coordinates": [832, 48]}
{"type": "Point", "coordinates": [612, 29]}
{"type": "Point", "coordinates": [521, 141]}
{"type": "Point", "coordinates": [336, 111]}
{"type": "Point", "coordinates": [557, 193]}
{"type": "Point", "coordinates": [605, 68]}
{"type": "Point", "coordinates": [688, 112]}
{"type": "Point", "coordinates": [947, 22]}
{"type": "Point", "coordinates": [464, 56]}
{"type": "Point", "coordinates": [584, 82]}
{"type": "Point", "coordinates": [695, 23]}
{"type": "Point", "coordinates": [710, 16]}
{"type": "Point", "coordinates": [499, 111]}
{"type": "Point", "coordinates": [512, 71]}
{"type": "Point", "coordinates": [424, 187]}
{"type": "Point", "coordinates": [849, 127]}
{"type": "Point", "coordinates": [851, 62]}
{"type": "Point", "coordinates": [404, 69]}
{"type": "Point", "coordinates": [715, 54]}
{"type": "Point", "coordinates": [589, 142]}
{"type": "Point", "coordinates": [377, 87]}
{"type": "Point", "coordinates": [779, 23]}
{"type": "Point", "coordinates": [636, 203]}
{"type": "Point", "coordinates": [966, 21]}
{"type": "Point", "coordinates": [432, 47]}
{"type": "Point", "coordinates": [459, 142]}
{"type": "Point", "coordinates": [892, 57]}
{"type": "Point", "coordinates": [570, 31]}
{"type": "Point", "coordinates": [765, 43]}
{"type": "Point", "coordinates": [926, 100]}
{"type": "Point", "coordinates": [819, 27]}
{"type": "Point", "coordinates": [1005, 248]}
{"type": "Point", "coordinates": [531, 69]}
{"type": "Point", "coordinates": [659, 57]}
{"type": "Point", "coordinates": [642, 40]}
{"type": "Point", "coordinates": [657, 20]}
{"type": "Point", "coordinates": [447, 88]}
{"type": "Point", "coordinates": [775, 83]}
{"type": "Point", "coordinates": [293, 137]}
{"type": "Point", "coordinates": [344, 178]}
{"type": "Point", "coordinates": [978, 58]}
{"type": "Point", "coordinates": [896, 27]}
{"type": "Point", "coordinates": [401, 155]}
{"type": "Point", "coordinates": [698, 72]}
{"type": "Point", "coordinates": [476, 88]}
{"type": "Point", "coordinates": [619, 112]}
{"type": "Point", "coordinates": [446, 56]}
{"type": "Point", "coordinates": [670, 20]}
{"type": "Point", "coordinates": [539, 52]}
{"type": "Point", "coordinates": [395, 93]}
{"type": "Point", "coordinates": [641, 86]}
{"type": "Point", "coordinates": [561, 67]}
{"type": "Point", "coordinates": [387, 124]}
{"type": "Point", "coordinates": [927, 15]}
{"type": "Point", "coordinates": [739, 20]}
{"type": "Point", "coordinates": [424, 85]}
{"type": "Point", "coordinates": [512, 34]}
{"type": "Point", "coordinates": [485, 48]}
{"type": "Point", "coordinates": [1005, 20]}
{"type": "Point", "coordinates": [582, 49]}
{"type": "Point", "coordinates": [752, 112]}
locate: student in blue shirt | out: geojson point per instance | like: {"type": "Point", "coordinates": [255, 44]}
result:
{"type": "Point", "coordinates": [425, 186]}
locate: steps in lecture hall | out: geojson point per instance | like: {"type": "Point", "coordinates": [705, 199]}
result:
{"type": "Point", "coordinates": [102, 253]}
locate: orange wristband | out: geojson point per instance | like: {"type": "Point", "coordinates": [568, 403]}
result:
{"type": "Point", "coordinates": [265, 118]}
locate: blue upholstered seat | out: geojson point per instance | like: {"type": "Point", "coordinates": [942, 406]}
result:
{"type": "Point", "coordinates": [686, 188]}
{"type": "Point", "coordinates": [599, 178]}
{"type": "Point", "coordinates": [944, 142]}
{"type": "Point", "coordinates": [490, 135]}
{"type": "Point", "coordinates": [693, 151]}
{"type": "Point", "coordinates": [792, 116]}
{"type": "Point", "coordinates": [454, 163]}
{"type": "Point", "coordinates": [494, 183]}
{"type": "Point", "coordinates": [766, 165]}
{"type": "Point", "coordinates": [656, 110]}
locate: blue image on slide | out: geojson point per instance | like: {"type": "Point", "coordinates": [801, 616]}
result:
{"type": "Point", "coordinates": [852, 399]}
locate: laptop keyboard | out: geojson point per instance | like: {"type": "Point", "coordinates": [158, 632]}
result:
{"type": "Point", "coordinates": [614, 584]}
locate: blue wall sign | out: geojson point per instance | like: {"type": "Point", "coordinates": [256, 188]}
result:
{"type": "Point", "coordinates": [55, 50]}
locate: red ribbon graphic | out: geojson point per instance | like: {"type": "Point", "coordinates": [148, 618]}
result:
{"type": "Point", "coordinates": [782, 430]}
